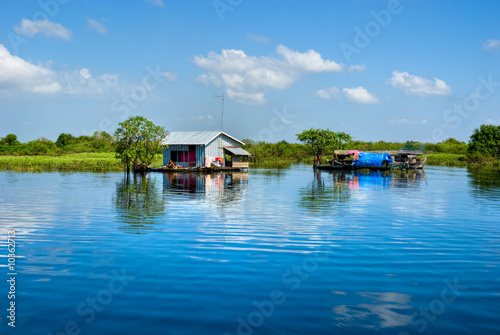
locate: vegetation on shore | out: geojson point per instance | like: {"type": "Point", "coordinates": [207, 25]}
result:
{"type": "Point", "coordinates": [97, 152]}
{"type": "Point", "coordinates": [91, 162]}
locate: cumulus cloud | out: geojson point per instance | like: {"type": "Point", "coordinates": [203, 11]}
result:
{"type": "Point", "coordinates": [85, 73]}
{"type": "Point", "coordinates": [246, 76]}
{"type": "Point", "coordinates": [18, 75]}
{"type": "Point", "coordinates": [97, 26]}
{"type": "Point", "coordinates": [170, 76]}
{"type": "Point", "coordinates": [492, 44]}
{"type": "Point", "coordinates": [258, 38]}
{"type": "Point", "coordinates": [360, 95]}
{"type": "Point", "coordinates": [257, 98]}
{"type": "Point", "coordinates": [82, 82]}
{"type": "Point", "coordinates": [309, 61]}
{"type": "Point", "coordinates": [158, 3]}
{"type": "Point", "coordinates": [357, 68]}
{"type": "Point", "coordinates": [328, 93]}
{"type": "Point", "coordinates": [411, 84]}
{"type": "Point", "coordinates": [30, 28]}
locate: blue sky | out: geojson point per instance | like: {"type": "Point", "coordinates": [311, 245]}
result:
{"type": "Point", "coordinates": [378, 70]}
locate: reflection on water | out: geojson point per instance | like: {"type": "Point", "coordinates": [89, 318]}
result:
{"type": "Point", "coordinates": [330, 191]}
{"type": "Point", "coordinates": [321, 196]}
{"type": "Point", "coordinates": [485, 179]}
{"type": "Point", "coordinates": [139, 204]}
{"type": "Point", "coordinates": [221, 187]}
{"type": "Point", "coordinates": [218, 247]}
{"type": "Point", "coordinates": [376, 310]}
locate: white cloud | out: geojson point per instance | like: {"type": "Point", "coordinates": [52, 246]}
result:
{"type": "Point", "coordinates": [30, 28]}
{"type": "Point", "coordinates": [411, 84]}
{"type": "Point", "coordinates": [17, 74]}
{"type": "Point", "coordinates": [328, 93]}
{"type": "Point", "coordinates": [97, 26]}
{"type": "Point", "coordinates": [357, 68]}
{"type": "Point", "coordinates": [246, 76]}
{"type": "Point", "coordinates": [170, 76]}
{"type": "Point", "coordinates": [406, 122]}
{"type": "Point", "coordinates": [85, 73]}
{"type": "Point", "coordinates": [210, 117]}
{"type": "Point", "coordinates": [492, 44]}
{"type": "Point", "coordinates": [82, 82]}
{"type": "Point", "coordinates": [255, 98]}
{"type": "Point", "coordinates": [309, 61]}
{"type": "Point", "coordinates": [158, 3]}
{"type": "Point", "coordinates": [360, 95]}
{"type": "Point", "coordinates": [258, 38]}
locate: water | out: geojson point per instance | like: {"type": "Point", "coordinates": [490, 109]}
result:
{"type": "Point", "coordinates": [275, 251]}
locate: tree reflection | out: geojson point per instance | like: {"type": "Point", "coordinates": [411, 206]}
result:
{"type": "Point", "coordinates": [322, 196]}
{"type": "Point", "coordinates": [139, 204]}
{"type": "Point", "coordinates": [485, 179]}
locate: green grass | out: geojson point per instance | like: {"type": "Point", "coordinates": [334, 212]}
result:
{"type": "Point", "coordinates": [94, 162]}
{"type": "Point", "coordinates": [447, 160]}
{"type": "Point", "coordinates": [91, 162]}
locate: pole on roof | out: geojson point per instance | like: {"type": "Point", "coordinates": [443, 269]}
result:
{"type": "Point", "coordinates": [222, 115]}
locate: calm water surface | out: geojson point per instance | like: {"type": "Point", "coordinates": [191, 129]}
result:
{"type": "Point", "coordinates": [275, 251]}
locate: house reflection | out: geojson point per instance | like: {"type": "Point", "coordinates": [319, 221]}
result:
{"type": "Point", "coordinates": [144, 202]}
{"type": "Point", "coordinates": [220, 188]}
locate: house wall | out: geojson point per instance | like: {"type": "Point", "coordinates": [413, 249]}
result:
{"type": "Point", "coordinates": [215, 147]}
{"type": "Point", "coordinates": [212, 149]}
{"type": "Point", "coordinates": [166, 153]}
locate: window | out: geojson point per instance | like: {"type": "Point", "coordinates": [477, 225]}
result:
{"type": "Point", "coordinates": [179, 156]}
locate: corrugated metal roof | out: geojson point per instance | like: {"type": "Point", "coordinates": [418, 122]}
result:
{"type": "Point", "coordinates": [238, 151]}
{"type": "Point", "coordinates": [193, 137]}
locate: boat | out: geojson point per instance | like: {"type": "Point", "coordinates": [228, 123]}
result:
{"type": "Point", "coordinates": [376, 160]}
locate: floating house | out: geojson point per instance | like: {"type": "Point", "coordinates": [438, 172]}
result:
{"type": "Point", "coordinates": [204, 148]}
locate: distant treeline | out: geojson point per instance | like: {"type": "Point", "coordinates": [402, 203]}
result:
{"type": "Point", "coordinates": [263, 151]}
{"type": "Point", "coordinates": [65, 144]}
{"type": "Point", "coordinates": [484, 145]}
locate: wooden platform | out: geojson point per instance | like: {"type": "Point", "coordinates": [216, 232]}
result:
{"type": "Point", "coordinates": [198, 169]}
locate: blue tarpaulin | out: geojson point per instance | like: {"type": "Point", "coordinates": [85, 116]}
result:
{"type": "Point", "coordinates": [369, 159]}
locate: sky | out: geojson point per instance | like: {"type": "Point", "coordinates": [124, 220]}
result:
{"type": "Point", "coordinates": [408, 70]}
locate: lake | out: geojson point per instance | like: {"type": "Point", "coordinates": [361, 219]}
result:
{"type": "Point", "coordinates": [272, 251]}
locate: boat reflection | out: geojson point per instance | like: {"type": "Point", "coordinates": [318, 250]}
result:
{"type": "Point", "coordinates": [357, 180]}
{"type": "Point", "coordinates": [331, 191]}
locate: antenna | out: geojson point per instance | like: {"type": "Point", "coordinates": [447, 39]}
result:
{"type": "Point", "coordinates": [222, 116]}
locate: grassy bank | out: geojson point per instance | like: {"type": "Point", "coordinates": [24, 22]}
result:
{"type": "Point", "coordinates": [94, 162]}
{"type": "Point", "coordinates": [446, 160]}
{"type": "Point", "coordinates": [91, 162]}
{"type": "Point", "coordinates": [106, 162]}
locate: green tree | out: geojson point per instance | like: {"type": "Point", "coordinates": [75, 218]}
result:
{"type": "Point", "coordinates": [321, 142]}
{"type": "Point", "coordinates": [485, 142]}
{"type": "Point", "coordinates": [9, 140]}
{"type": "Point", "coordinates": [137, 141]}
{"type": "Point", "coordinates": [64, 139]}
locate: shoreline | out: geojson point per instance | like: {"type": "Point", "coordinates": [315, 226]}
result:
{"type": "Point", "coordinates": [106, 162]}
